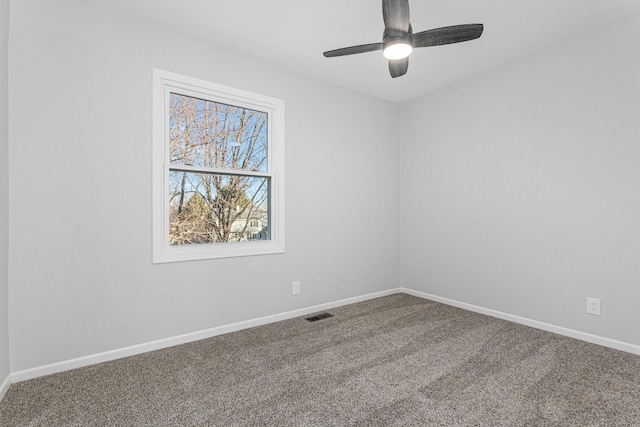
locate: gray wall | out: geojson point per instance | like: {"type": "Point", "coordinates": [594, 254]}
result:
{"type": "Point", "coordinates": [4, 191]}
{"type": "Point", "coordinates": [81, 277]}
{"type": "Point", "coordinates": [520, 185]}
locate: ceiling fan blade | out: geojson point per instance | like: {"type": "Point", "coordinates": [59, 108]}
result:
{"type": "Point", "coordinates": [447, 35]}
{"type": "Point", "coordinates": [396, 15]}
{"type": "Point", "coordinates": [398, 67]}
{"type": "Point", "coordinates": [351, 50]}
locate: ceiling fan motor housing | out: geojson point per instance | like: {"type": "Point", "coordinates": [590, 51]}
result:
{"type": "Point", "coordinates": [397, 44]}
{"type": "Point", "coordinates": [391, 37]}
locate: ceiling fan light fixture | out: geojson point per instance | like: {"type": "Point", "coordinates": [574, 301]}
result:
{"type": "Point", "coordinates": [399, 49]}
{"type": "Point", "coordinates": [398, 38]}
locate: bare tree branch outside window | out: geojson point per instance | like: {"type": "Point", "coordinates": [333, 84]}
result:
{"type": "Point", "coordinates": [208, 206]}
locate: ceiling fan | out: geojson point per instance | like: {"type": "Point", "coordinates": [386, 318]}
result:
{"type": "Point", "coordinates": [398, 39]}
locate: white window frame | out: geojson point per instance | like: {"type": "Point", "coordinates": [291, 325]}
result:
{"type": "Point", "coordinates": [164, 83]}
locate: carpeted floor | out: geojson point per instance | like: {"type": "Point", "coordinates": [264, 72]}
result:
{"type": "Point", "coordinates": [398, 360]}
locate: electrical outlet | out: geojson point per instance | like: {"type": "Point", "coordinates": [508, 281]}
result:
{"type": "Point", "coordinates": [593, 306]}
{"type": "Point", "coordinates": [296, 288]}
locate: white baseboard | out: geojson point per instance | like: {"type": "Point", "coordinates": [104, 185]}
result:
{"type": "Point", "coordinates": [594, 339]}
{"type": "Point", "coordinates": [79, 362]}
{"type": "Point", "coordinates": [5, 386]}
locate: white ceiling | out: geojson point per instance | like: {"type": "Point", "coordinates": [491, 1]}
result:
{"type": "Point", "coordinates": [294, 33]}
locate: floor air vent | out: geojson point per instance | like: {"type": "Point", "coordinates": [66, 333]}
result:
{"type": "Point", "coordinates": [319, 317]}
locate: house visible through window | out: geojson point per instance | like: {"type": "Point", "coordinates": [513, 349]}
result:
{"type": "Point", "coordinates": [218, 156]}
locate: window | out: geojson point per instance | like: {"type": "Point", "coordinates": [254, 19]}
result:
{"type": "Point", "coordinates": [218, 185]}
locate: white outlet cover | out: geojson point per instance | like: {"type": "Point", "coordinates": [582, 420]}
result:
{"type": "Point", "coordinates": [593, 306]}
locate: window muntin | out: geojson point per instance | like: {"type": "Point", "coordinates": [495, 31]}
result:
{"type": "Point", "coordinates": [218, 168]}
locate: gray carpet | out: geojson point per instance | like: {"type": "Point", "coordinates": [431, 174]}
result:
{"type": "Point", "coordinates": [397, 361]}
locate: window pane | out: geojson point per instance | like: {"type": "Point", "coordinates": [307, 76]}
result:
{"type": "Point", "coordinates": [216, 208]}
{"type": "Point", "coordinates": [211, 134]}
